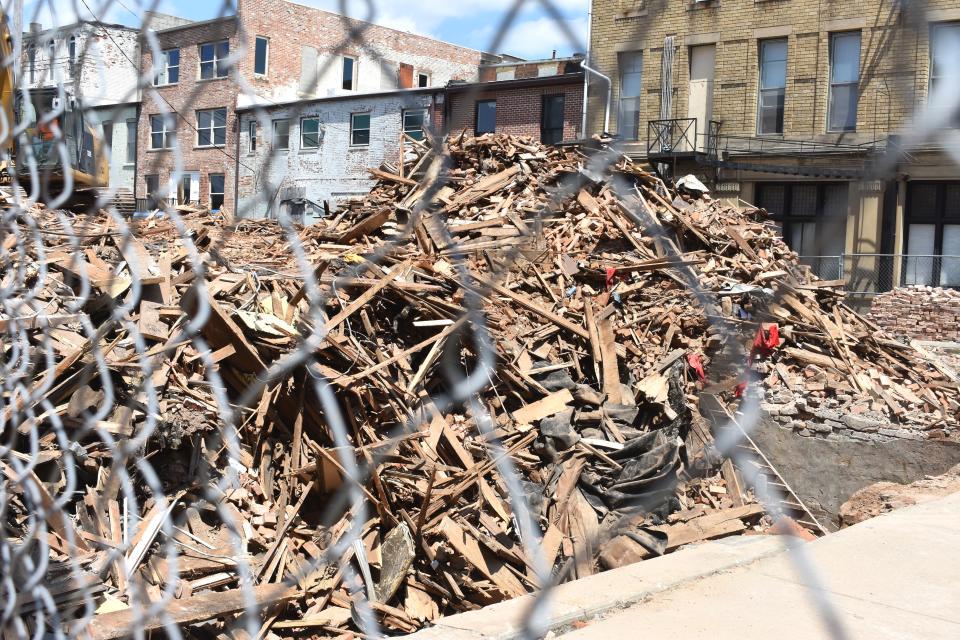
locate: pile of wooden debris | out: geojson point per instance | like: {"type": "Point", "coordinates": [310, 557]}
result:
{"type": "Point", "coordinates": [608, 305]}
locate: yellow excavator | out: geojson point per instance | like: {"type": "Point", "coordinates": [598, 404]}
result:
{"type": "Point", "coordinates": [56, 137]}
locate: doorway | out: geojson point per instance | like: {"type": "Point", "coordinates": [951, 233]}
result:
{"type": "Point", "coordinates": [700, 95]}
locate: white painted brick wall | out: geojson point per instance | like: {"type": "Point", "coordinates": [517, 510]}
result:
{"type": "Point", "coordinates": [333, 172]}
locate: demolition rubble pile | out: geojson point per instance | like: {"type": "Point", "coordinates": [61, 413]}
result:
{"type": "Point", "coordinates": [612, 307]}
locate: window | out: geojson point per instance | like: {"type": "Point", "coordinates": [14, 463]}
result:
{"type": "Point", "coordinates": [108, 134]}
{"type": "Point", "coordinates": [813, 217]}
{"type": "Point", "coordinates": [551, 119]}
{"type": "Point", "coordinates": [169, 64]}
{"type": "Point", "coordinates": [131, 141]}
{"type": "Point", "coordinates": [631, 74]}
{"type": "Point", "coordinates": [217, 182]}
{"type": "Point", "coordinates": [51, 57]}
{"type": "Point", "coordinates": [153, 190]}
{"type": "Point", "coordinates": [414, 121]}
{"type": "Point", "coordinates": [310, 133]}
{"type": "Point", "coordinates": [349, 73]}
{"type": "Point", "coordinates": [507, 74]}
{"type": "Point", "coordinates": [486, 117]}
{"type": "Point", "coordinates": [844, 81]}
{"type": "Point", "coordinates": [359, 129]}
{"type": "Point", "coordinates": [773, 86]}
{"type": "Point", "coordinates": [260, 56]}
{"type": "Point", "coordinates": [163, 132]}
{"type": "Point", "coordinates": [944, 71]}
{"type": "Point", "coordinates": [253, 136]}
{"type": "Point", "coordinates": [213, 60]}
{"type": "Point", "coordinates": [933, 234]}
{"type": "Point", "coordinates": [423, 80]}
{"type": "Point", "coordinates": [281, 134]}
{"type": "Point", "coordinates": [72, 55]}
{"type": "Point", "coordinates": [32, 58]}
{"type": "Point", "coordinates": [212, 127]}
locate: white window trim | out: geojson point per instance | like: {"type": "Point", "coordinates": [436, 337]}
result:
{"type": "Point", "coordinates": [210, 191]}
{"type": "Point", "coordinates": [252, 128]}
{"type": "Point", "coordinates": [760, 89]}
{"type": "Point", "coordinates": [273, 134]}
{"type": "Point", "coordinates": [266, 62]}
{"type": "Point", "coordinates": [166, 131]}
{"type": "Point", "coordinates": [127, 162]}
{"type": "Point", "coordinates": [356, 75]}
{"type": "Point", "coordinates": [426, 118]}
{"type": "Point", "coordinates": [428, 76]}
{"type": "Point", "coordinates": [369, 129]}
{"type": "Point", "coordinates": [303, 147]}
{"type": "Point", "coordinates": [213, 128]}
{"type": "Point", "coordinates": [216, 60]}
{"type": "Point", "coordinates": [165, 69]}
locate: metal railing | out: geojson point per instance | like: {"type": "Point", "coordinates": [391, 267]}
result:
{"type": "Point", "coordinates": [732, 144]}
{"type": "Point", "coordinates": [866, 274]}
{"type": "Point", "coordinates": [680, 136]}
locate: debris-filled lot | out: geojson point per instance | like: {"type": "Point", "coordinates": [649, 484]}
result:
{"type": "Point", "coordinates": [608, 306]}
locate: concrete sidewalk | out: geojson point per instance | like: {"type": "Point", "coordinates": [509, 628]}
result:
{"type": "Point", "coordinates": [893, 577]}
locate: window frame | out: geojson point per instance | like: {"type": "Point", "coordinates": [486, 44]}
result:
{"type": "Point", "coordinates": [420, 76]}
{"type": "Point", "coordinates": [266, 56]}
{"type": "Point", "coordinates": [543, 116]}
{"type": "Point", "coordinates": [935, 28]}
{"type": "Point", "coordinates": [424, 121]}
{"type": "Point", "coordinates": [213, 128]}
{"type": "Point", "coordinates": [168, 133]}
{"type": "Point", "coordinates": [71, 56]}
{"type": "Point", "coordinates": [476, 116]}
{"type": "Point", "coordinates": [303, 134]}
{"type": "Point", "coordinates": [218, 63]}
{"type": "Point", "coordinates": [761, 91]}
{"type": "Point", "coordinates": [353, 71]}
{"type": "Point", "coordinates": [831, 128]}
{"type": "Point", "coordinates": [354, 129]}
{"type": "Point", "coordinates": [621, 99]}
{"type": "Point", "coordinates": [939, 218]}
{"type": "Point", "coordinates": [32, 62]}
{"type": "Point", "coordinates": [153, 198]}
{"type": "Point", "coordinates": [273, 136]}
{"type": "Point", "coordinates": [252, 128]}
{"type": "Point", "coordinates": [165, 71]}
{"type": "Point", "coordinates": [211, 192]}
{"type": "Point", "coordinates": [131, 141]}
{"type": "Point", "coordinates": [51, 58]}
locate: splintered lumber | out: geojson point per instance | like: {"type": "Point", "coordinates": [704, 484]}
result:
{"type": "Point", "coordinates": [119, 624]}
{"type": "Point", "coordinates": [548, 406]}
{"type": "Point", "coordinates": [267, 373]}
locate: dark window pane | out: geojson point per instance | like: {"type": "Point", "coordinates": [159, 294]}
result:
{"type": "Point", "coordinates": [260, 57]}
{"type": "Point", "coordinates": [206, 53]}
{"type": "Point", "coordinates": [156, 140]}
{"type": "Point", "coordinates": [423, 81]}
{"type": "Point", "coordinates": [348, 72]}
{"type": "Point", "coordinates": [173, 75]}
{"type": "Point", "coordinates": [803, 200]}
{"type": "Point", "coordinates": [203, 138]}
{"type": "Point", "coordinates": [846, 58]}
{"type": "Point", "coordinates": [361, 137]}
{"type": "Point", "coordinates": [206, 70]}
{"type": "Point", "coordinates": [486, 116]}
{"type": "Point", "coordinates": [173, 57]}
{"type": "Point", "coordinates": [220, 118]}
{"type": "Point", "coordinates": [552, 119]}
{"type": "Point", "coordinates": [204, 119]}
{"type": "Point", "coordinates": [361, 121]}
{"type": "Point", "coordinates": [773, 198]}
{"type": "Point", "coordinates": [922, 201]}
{"type": "Point", "coordinates": [220, 136]}
{"type": "Point", "coordinates": [771, 111]}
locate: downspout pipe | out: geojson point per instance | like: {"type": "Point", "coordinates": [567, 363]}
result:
{"type": "Point", "coordinates": [606, 115]}
{"type": "Point", "coordinates": [586, 77]}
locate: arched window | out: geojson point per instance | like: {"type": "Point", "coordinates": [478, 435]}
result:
{"type": "Point", "coordinates": [72, 51]}
{"type": "Point", "coordinates": [32, 62]}
{"type": "Point", "coordinates": [51, 55]}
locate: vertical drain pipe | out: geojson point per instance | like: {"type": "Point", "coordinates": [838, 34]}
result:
{"type": "Point", "coordinates": [586, 77]}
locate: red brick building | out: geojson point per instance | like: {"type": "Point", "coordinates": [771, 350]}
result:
{"type": "Point", "coordinates": [272, 51]}
{"type": "Point", "coordinates": [539, 98]}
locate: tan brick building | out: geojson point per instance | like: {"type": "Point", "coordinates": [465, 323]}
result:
{"type": "Point", "coordinates": [805, 108]}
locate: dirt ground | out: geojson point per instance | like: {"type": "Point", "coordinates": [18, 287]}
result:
{"type": "Point", "coordinates": [883, 497]}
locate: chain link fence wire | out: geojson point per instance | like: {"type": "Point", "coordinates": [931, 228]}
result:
{"type": "Point", "coordinates": [57, 469]}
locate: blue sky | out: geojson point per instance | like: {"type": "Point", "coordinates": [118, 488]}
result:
{"type": "Point", "coordinates": [472, 23]}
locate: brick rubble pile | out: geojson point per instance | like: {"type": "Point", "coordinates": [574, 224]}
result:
{"type": "Point", "coordinates": [919, 313]}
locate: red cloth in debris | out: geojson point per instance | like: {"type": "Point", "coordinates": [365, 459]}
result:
{"type": "Point", "coordinates": [697, 365]}
{"type": "Point", "coordinates": [611, 276]}
{"type": "Point", "coordinates": [764, 345]}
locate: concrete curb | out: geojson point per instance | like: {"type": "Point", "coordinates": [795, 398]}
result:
{"type": "Point", "coordinates": [606, 592]}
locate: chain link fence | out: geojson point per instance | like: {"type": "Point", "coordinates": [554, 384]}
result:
{"type": "Point", "coordinates": [867, 274]}
{"type": "Point", "coordinates": [100, 521]}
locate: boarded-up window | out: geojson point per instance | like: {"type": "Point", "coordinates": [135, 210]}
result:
{"type": "Point", "coordinates": [308, 70]}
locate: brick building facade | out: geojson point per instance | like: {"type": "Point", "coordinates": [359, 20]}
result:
{"type": "Point", "coordinates": [539, 98]}
{"type": "Point", "coordinates": [279, 52]}
{"type": "Point", "coordinates": [793, 102]}
{"type": "Point", "coordinates": [304, 158]}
